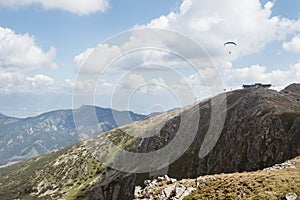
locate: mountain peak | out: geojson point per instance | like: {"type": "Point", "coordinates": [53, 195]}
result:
{"type": "Point", "coordinates": [294, 88]}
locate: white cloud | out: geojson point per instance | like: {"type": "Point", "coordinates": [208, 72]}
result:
{"type": "Point", "coordinates": [236, 77]}
{"type": "Point", "coordinates": [19, 58]}
{"type": "Point", "coordinates": [16, 82]}
{"type": "Point", "coordinates": [40, 80]}
{"type": "Point", "coordinates": [250, 24]}
{"type": "Point", "coordinates": [293, 45]}
{"type": "Point", "coordinates": [132, 82]}
{"type": "Point", "coordinates": [80, 7]}
{"type": "Point", "coordinates": [138, 83]}
{"type": "Point", "coordinates": [99, 57]}
{"type": "Point", "coordinates": [20, 51]}
{"type": "Point", "coordinates": [133, 52]}
{"type": "Point", "coordinates": [81, 58]}
{"type": "Point", "coordinates": [210, 24]}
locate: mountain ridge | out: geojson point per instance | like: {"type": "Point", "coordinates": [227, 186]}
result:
{"type": "Point", "coordinates": [23, 138]}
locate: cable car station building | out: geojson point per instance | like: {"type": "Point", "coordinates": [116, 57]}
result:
{"type": "Point", "coordinates": [257, 85]}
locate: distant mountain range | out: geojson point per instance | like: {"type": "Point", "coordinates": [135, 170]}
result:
{"type": "Point", "coordinates": [21, 139]}
{"type": "Point", "coordinates": [262, 128]}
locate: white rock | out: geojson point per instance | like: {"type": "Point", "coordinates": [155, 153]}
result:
{"type": "Point", "coordinates": [168, 191]}
{"type": "Point", "coordinates": [180, 189]}
{"type": "Point", "coordinates": [147, 182]}
{"type": "Point", "coordinates": [190, 189]}
{"type": "Point", "coordinates": [138, 192]}
{"type": "Point", "coordinates": [169, 180]}
{"type": "Point", "coordinates": [291, 196]}
{"type": "Point", "coordinates": [153, 183]}
{"type": "Point", "coordinates": [172, 180]}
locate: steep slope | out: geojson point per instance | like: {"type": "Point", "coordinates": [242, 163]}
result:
{"type": "Point", "coordinates": [262, 127]}
{"type": "Point", "coordinates": [21, 139]}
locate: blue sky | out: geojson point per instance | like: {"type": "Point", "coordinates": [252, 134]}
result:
{"type": "Point", "coordinates": [71, 33]}
{"type": "Point", "coordinates": [42, 45]}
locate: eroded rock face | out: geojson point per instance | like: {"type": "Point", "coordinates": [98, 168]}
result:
{"type": "Point", "coordinates": [262, 128]}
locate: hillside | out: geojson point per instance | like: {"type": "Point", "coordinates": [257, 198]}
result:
{"type": "Point", "coordinates": [275, 182]}
{"type": "Point", "coordinates": [21, 139]}
{"type": "Point", "coordinates": [262, 128]}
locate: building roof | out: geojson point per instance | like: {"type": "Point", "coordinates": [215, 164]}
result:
{"type": "Point", "coordinates": [257, 85]}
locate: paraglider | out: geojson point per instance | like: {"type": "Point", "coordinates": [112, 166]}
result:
{"type": "Point", "coordinates": [230, 43]}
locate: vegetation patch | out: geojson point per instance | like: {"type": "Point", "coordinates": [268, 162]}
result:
{"type": "Point", "coordinates": [251, 185]}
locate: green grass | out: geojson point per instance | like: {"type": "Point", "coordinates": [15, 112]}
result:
{"type": "Point", "coordinates": [73, 173]}
{"type": "Point", "coordinates": [14, 180]}
{"type": "Point", "coordinates": [251, 185]}
{"type": "Point", "coordinates": [66, 173]}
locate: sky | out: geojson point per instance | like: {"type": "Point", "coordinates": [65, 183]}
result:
{"type": "Point", "coordinates": [46, 45]}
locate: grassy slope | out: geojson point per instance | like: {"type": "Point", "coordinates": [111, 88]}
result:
{"type": "Point", "coordinates": [14, 180]}
{"type": "Point", "coordinates": [64, 174]}
{"type": "Point", "coordinates": [251, 185]}
{"type": "Point", "coordinates": [60, 175]}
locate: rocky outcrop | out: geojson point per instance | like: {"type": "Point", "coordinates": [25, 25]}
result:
{"type": "Point", "coordinates": [164, 188]}
{"type": "Point", "coordinates": [290, 164]}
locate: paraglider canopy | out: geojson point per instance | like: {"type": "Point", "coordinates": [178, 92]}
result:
{"type": "Point", "coordinates": [230, 43]}
{"type": "Point", "coordinates": [227, 43]}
